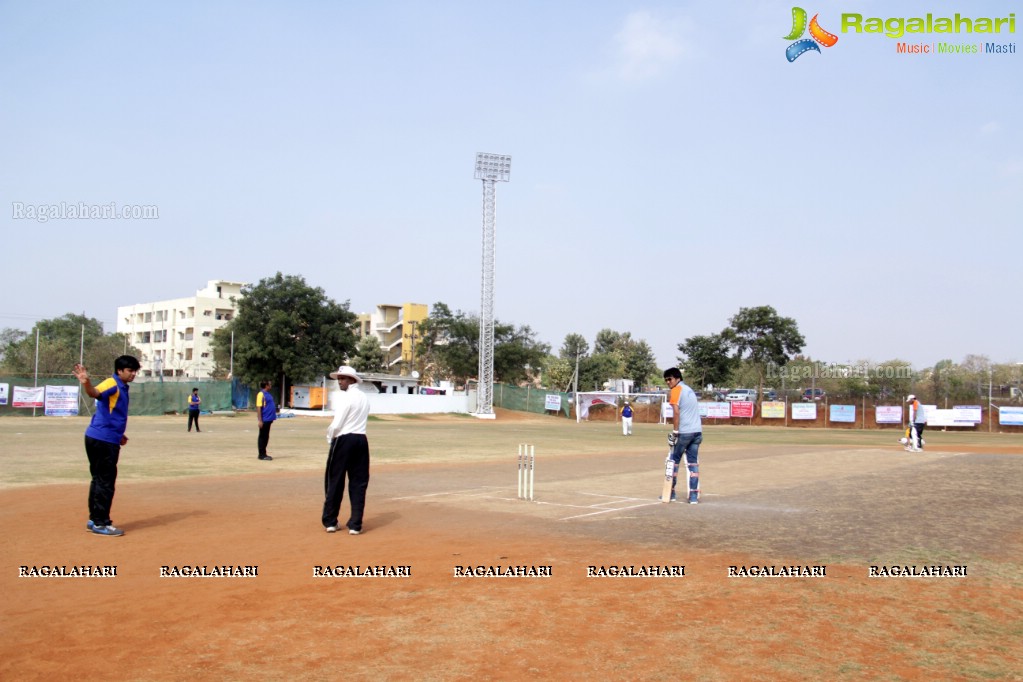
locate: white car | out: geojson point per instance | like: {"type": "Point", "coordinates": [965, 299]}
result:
{"type": "Point", "coordinates": [745, 394]}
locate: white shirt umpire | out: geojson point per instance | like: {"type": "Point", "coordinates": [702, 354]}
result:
{"type": "Point", "coordinates": [348, 454]}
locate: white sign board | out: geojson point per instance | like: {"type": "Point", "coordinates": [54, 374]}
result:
{"type": "Point", "coordinates": [1010, 416]}
{"type": "Point", "coordinates": [888, 414]}
{"type": "Point", "coordinates": [61, 401]}
{"type": "Point", "coordinates": [804, 411]}
{"type": "Point", "coordinates": [715, 410]}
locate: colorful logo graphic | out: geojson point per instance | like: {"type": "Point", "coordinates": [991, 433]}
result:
{"type": "Point", "coordinates": [817, 35]}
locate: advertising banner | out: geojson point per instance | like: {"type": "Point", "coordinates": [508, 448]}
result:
{"type": "Point", "coordinates": [968, 414]}
{"type": "Point", "coordinates": [28, 396]}
{"type": "Point", "coordinates": [888, 414]}
{"type": "Point", "coordinates": [61, 401]}
{"type": "Point", "coordinates": [3, 393]}
{"type": "Point", "coordinates": [1011, 416]}
{"type": "Point", "coordinates": [843, 413]}
{"type": "Point", "coordinates": [742, 408]}
{"type": "Point", "coordinates": [588, 400]}
{"type": "Point", "coordinates": [715, 411]}
{"type": "Point", "coordinates": [962, 415]}
{"type": "Point", "coordinates": [552, 401]}
{"type": "Point", "coordinates": [804, 411]}
{"type": "Point", "coordinates": [773, 409]}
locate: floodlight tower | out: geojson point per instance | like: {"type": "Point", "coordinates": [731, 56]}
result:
{"type": "Point", "coordinates": [490, 168]}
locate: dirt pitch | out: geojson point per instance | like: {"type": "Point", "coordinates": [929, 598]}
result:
{"type": "Point", "coordinates": [443, 496]}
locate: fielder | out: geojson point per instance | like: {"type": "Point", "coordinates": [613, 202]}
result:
{"type": "Point", "coordinates": [686, 434]}
{"type": "Point", "coordinates": [104, 439]}
{"type": "Point", "coordinates": [626, 419]}
{"type": "Point", "coordinates": [917, 421]}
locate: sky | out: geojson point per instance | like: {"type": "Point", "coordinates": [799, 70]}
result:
{"type": "Point", "coordinates": [669, 165]}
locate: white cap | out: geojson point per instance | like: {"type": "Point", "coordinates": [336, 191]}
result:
{"type": "Point", "coordinates": [346, 371]}
{"type": "Point", "coordinates": [910, 398]}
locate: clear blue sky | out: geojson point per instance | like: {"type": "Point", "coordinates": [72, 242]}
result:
{"type": "Point", "coordinates": [669, 165]}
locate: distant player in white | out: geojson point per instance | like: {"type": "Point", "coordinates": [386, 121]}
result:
{"type": "Point", "coordinates": [917, 423]}
{"type": "Point", "coordinates": [626, 419]}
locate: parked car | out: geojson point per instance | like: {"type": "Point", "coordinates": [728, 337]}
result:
{"type": "Point", "coordinates": [770, 394]}
{"type": "Point", "coordinates": [748, 394]}
{"type": "Point", "coordinates": [812, 394]}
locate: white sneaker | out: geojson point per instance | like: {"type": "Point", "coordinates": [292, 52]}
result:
{"type": "Point", "coordinates": [331, 529]}
{"type": "Point", "coordinates": [352, 531]}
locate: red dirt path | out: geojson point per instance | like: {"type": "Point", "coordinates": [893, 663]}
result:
{"type": "Point", "coordinates": [433, 626]}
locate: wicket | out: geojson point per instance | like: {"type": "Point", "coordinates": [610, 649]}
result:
{"type": "Point", "coordinates": [527, 463]}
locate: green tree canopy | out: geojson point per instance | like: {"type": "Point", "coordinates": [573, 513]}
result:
{"type": "Point", "coordinates": [763, 337]}
{"type": "Point", "coordinates": [450, 341]}
{"type": "Point", "coordinates": [61, 343]}
{"type": "Point", "coordinates": [286, 327]}
{"type": "Point", "coordinates": [706, 360]}
{"type": "Point", "coordinates": [369, 356]}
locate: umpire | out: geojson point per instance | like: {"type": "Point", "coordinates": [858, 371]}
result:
{"type": "Point", "coordinates": [348, 454]}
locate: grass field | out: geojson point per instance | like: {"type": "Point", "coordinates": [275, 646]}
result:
{"type": "Point", "coordinates": [443, 496]}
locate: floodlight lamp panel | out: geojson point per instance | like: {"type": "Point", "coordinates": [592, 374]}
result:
{"type": "Point", "coordinates": [493, 167]}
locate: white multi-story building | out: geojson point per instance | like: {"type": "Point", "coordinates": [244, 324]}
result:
{"type": "Point", "coordinates": [174, 336]}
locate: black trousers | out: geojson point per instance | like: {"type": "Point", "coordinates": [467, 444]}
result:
{"type": "Point", "coordinates": [193, 416]}
{"type": "Point", "coordinates": [264, 438]}
{"type": "Point", "coordinates": [103, 458]}
{"type": "Point", "coordinates": [348, 455]}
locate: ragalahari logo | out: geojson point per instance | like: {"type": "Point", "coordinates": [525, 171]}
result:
{"type": "Point", "coordinates": [817, 35]}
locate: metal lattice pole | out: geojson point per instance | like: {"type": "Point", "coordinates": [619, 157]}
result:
{"type": "Point", "coordinates": [485, 400]}
{"type": "Point", "coordinates": [490, 168]}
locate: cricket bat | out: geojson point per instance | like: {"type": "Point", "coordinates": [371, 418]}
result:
{"type": "Point", "coordinates": [669, 474]}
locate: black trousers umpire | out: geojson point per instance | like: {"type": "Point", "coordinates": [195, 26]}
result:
{"type": "Point", "coordinates": [103, 458]}
{"type": "Point", "coordinates": [348, 455]}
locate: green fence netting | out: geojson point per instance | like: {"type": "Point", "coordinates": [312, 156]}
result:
{"type": "Point", "coordinates": [529, 399]}
{"type": "Point", "coordinates": [147, 398]}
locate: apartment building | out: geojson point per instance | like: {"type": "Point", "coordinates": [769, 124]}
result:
{"type": "Point", "coordinates": [174, 336]}
{"type": "Point", "coordinates": [395, 326]}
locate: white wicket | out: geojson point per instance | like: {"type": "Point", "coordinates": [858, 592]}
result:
{"type": "Point", "coordinates": [527, 465]}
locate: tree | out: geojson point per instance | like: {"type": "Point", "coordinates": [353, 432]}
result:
{"type": "Point", "coordinates": [9, 337]}
{"type": "Point", "coordinates": [518, 355]}
{"type": "Point", "coordinates": [599, 368]}
{"type": "Point", "coordinates": [62, 341]}
{"type": "Point", "coordinates": [286, 327]}
{"type": "Point", "coordinates": [369, 356]}
{"type": "Point", "coordinates": [640, 363]}
{"type": "Point", "coordinates": [705, 359]}
{"type": "Point", "coordinates": [558, 373]}
{"type": "Point", "coordinates": [451, 342]}
{"type": "Point", "coordinates": [764, 338]}
{"type": "Point", "coordinates": [574, 346]}
{"type": "Point", "coordinates": [634, 358]}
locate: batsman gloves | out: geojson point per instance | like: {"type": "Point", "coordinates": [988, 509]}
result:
{"type": "Point", "coordinates": [672, 439]}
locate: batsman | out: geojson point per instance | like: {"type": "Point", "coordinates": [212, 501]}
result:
{"type": "Point", "coordinates": [686, 434]}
